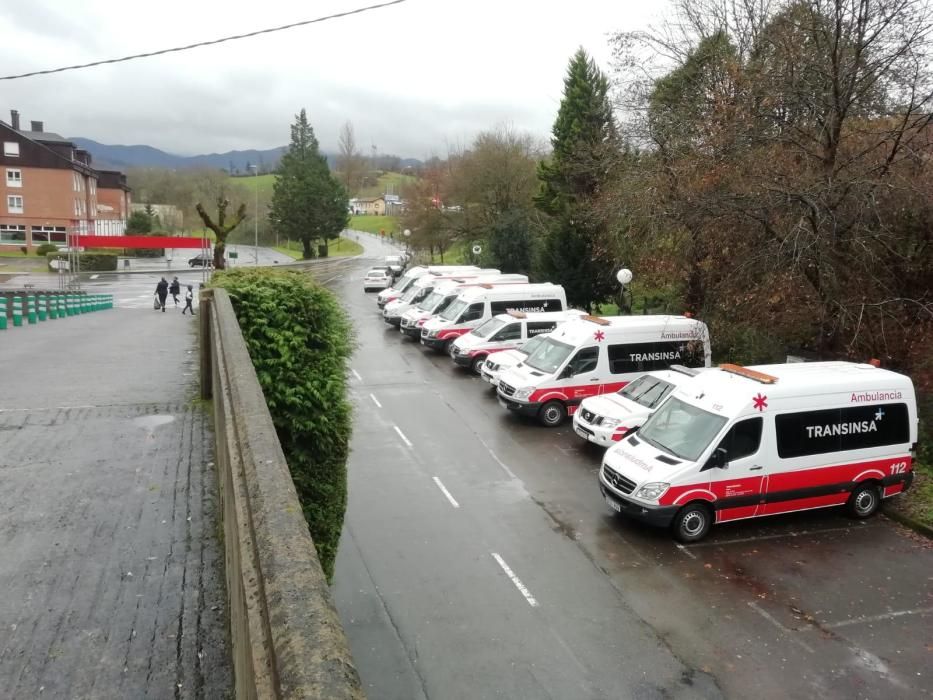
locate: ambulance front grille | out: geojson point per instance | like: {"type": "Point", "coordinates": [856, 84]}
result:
{"type": "Point", "coordinates": [617, 480]}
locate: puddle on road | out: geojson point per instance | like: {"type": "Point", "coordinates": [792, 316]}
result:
{"type": "Point", "coordinates": [150, 423]}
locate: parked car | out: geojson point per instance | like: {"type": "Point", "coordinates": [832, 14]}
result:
{"type": "Point", "coordinates": [201, 260]}
{"type": "Point", "coordinates": [377, 278]}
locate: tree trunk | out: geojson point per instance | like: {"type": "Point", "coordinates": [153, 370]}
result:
{"type": "Point", "coordinates": [306, 252]}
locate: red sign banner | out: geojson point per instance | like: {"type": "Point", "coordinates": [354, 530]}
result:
{"type": "Point", "coordinates": [142, 242]}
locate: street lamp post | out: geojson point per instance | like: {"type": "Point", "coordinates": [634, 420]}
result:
{"type": "Point", "coordinates": [407, 234]}
{"type": "Point", "coordinates": [255, 169]}
{"type": "Point", "coordinates": [624, 277]}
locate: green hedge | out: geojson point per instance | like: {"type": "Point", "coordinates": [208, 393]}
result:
{"type": "Point", "coordinates": [46, 248]}
{"type": "Point", "coordinates": [89, 261]}
{"type": "Point", "coordinates": [299, 341]}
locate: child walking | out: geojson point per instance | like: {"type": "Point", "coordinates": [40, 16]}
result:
{"type": "Point", "coordinates": [189, 296]}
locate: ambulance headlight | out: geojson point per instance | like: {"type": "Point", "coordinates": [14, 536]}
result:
{"type": "Point", "coordinates": [523, 393]}
{"type": "Point", "coordinates": [652, 491]}
{"type": "Point", "coordinates": [432, 334]}
{"type": "Point", "coordinates": [610, 423]}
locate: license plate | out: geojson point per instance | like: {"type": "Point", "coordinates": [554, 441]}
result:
{"type": "Point", "coordinates": [581, 432]}
{"type": "Point", "coordinates": [612, 504]}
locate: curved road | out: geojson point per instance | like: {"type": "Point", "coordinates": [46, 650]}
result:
{"type": "Point", "coordinates": [479, 561]}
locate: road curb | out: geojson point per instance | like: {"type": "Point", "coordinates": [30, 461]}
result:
{"type": "Point", "coordinates": [907, 521]}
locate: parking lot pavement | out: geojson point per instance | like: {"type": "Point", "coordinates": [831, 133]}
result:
{"type": "Point", "coordinates": [112, 572]}
{"type": "Point", "coordinates": [804, 605]}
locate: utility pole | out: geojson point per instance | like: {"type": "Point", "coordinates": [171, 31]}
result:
{"type": "Point", "coordinates": [256, 217]}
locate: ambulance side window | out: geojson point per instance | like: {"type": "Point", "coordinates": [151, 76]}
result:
{"type": "Point", "coordinates": [742, 439]}
{"type": "Point", "coordinates": [539, 327]}
{"type": "Point", "coordinates": [585, 360]}
{"type": "Point", "coordinates": [513, 331]}
{"type": "Point", "coordinates": [473, 312]}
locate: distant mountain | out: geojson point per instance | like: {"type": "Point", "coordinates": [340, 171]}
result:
{"type": "Point", "coordinates": [109, 157]}
{"type": "Point", "coordinates": [122, 157]}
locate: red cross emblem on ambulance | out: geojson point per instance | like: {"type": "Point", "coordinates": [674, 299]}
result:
{"type": "Point", "coordinates": [761, 402]}
{"type": "Point", "coordinates": [599, 335]}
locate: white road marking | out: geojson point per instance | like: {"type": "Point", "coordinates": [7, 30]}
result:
{"type": "Point", "coordinates": [94, 277]}
{"type": "Point", "coordinates": [777, 536]}
{"type": "Point", "coordinates": [685, 551]}
{"type": "Point", "coordinates": [516, 580]}
{"type": "Point", "coordinates": [877, 618]}
{"type": "Point", "coordinates": [498, 461]}
{"type": "Point", "coordinates": [357, 375]}
{"type": "Point", "coordinates": [788, 632]}
{"type": "Point", "coordinates": [453, 501]}
{"type": "Point", "coordinates": [402, 435]}
{"type": "Point", "coordinates": [375, 401]}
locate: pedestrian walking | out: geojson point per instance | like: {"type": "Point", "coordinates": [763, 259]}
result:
{"type": "Point", "coordinates": [162, 292]}
{"type": "Point", "coordinates": [189, 297]}
{"type": "Point", "coordinates": [175, 289]}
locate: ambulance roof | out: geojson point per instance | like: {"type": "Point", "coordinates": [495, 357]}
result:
{"type": "Point", "coordinates": [559, 316]}
{"type": "Point", "coordinates": [579, 331]}
{"type": "Point", "coordinates": [522, 290]}
{"type": "Point", "coordinates": [456, 284]}
{"type": "Point", "coordinates": [732, 392]}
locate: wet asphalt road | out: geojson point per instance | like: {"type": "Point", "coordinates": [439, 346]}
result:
{"type": "Point", "coordinates": [479, 561]}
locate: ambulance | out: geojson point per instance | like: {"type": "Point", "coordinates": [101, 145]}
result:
{"type": "Point", "coordinates": [605, 419]}
{"type": "Point", "coordinates": [481, 302]}
{"type": "Point", "coordinates": [596, 355]}
{"type": "Point", "coordinates": [443, 294]}
{"type": "Point", "coordinates": [503, 360]}
{"type": "Point", "coordinates": [425, 285]}
{"type": "Point", "coordinates": [406, 280]}
{"type": "Point", "coordinates": [505, 332]}
{"type": "Point", "coordinates": [744, 442]}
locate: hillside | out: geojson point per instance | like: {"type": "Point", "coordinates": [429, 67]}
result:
{"type": "Point", "coordinates": [120, 157]}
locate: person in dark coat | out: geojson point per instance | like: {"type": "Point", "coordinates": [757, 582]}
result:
{"type": "Point", "coordinates": [189, 297]}
{"type": "Point", "coordinates": [174, 289]}
{"type": "Point", "coordinates": [162, 292]}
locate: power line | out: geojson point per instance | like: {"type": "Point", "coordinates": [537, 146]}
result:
{"type": "Point", "coordinates": [176, 49]}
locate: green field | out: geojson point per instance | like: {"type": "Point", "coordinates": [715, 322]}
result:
{"type": "Point", "coordinates": [386, 182]}
{"type": "Point", "coordinates": [374, 224]}
{"type": "Point", "coordinates": [341, 248]}
{"type": "Point", "coordinates": [393, 182]}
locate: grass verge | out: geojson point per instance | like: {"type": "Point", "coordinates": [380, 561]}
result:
{"type": "Point", "coordinates": [375, 224]}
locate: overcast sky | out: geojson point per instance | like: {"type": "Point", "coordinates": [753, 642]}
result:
{"type": "Point", "coordinates": [411, 77]}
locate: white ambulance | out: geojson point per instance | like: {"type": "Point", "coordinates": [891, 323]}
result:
{"type": "Point", "coordinates": [444, 293]}
{"type": "Point", "coordinates": [735, 443]}
{"type": "Point", "coordinates": [596, 355]}
{"type": "Point", "coordinates": [505, 332]}
{"type": "Point", "coordinates": [605, 419]}
{"type": "Point", "coordinates": [419, 290]}
{"type": "Point", "coordinates": [504, 360]}
{"type": "Point", "coordinates": [481, 302]}
{"type": "Point", "coordinates": [413, 273]}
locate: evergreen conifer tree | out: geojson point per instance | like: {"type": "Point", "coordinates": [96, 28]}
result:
{"type": "Point", "coordinates": [576, 251]}
{"type": "Point", "coordinates": [308, 203]}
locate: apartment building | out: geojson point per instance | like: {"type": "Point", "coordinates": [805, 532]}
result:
{"type": "Point", "coordinates": [50, 189]}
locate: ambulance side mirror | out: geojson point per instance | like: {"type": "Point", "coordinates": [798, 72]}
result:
{"type": "Point", "coordinates": [718, 460]}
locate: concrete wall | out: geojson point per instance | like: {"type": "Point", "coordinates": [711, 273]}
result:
{"type": "Point", "coordinates": [286, 638]}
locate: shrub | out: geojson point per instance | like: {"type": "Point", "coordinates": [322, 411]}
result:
{"type": "Point", "coordinates": [24, 250]}
{"type": "Point", "coordinates": [46, 248]}
{"type": "Point", "coordinates": [89, 261]}
{"type": "Point", "coordinates": [299, 341]}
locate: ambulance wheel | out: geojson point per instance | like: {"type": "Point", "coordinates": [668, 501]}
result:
{"type": "Point", "coordinates": [478, 363]}
{"type": "Point", "coordinates": [864, 501]}
{"type": "Point", "coordinates": [692, 522]}
{"type": "Point", "coordinates": [552, 414]}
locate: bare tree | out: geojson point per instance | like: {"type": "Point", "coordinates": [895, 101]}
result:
{"type": "Point", "coordinates": [221, 227]}
{"type": "Point", "coordinates": [349, 160]}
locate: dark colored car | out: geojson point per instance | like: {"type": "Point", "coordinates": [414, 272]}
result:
{"type": "Point", "coordinates": [201, 260]}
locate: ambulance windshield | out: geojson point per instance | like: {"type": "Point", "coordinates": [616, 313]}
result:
{"type": "Point", "coordinates": [411, 294]}
{"type": "Point", "coordinates": [532, 345]}
{"type": "Point", "coordinates": [549, 356]}
{"type": "Point", "coordinates": [681, 429]}
{"type": "Point", "coordinates": [452, 312]}
{"type": "Point", "coordinates": [403, 284]}
{"type": "Point", "coordinates": [647, 391]}
{"type": "Point", "coordinates": [488, 328]}
{"type": "Point", "coordinates": [434, 298]}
